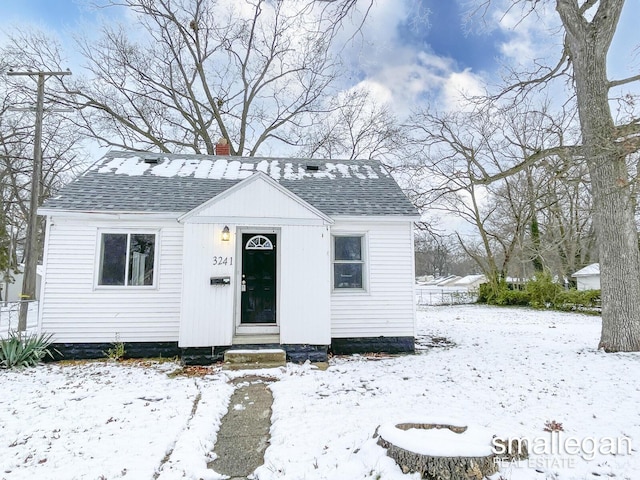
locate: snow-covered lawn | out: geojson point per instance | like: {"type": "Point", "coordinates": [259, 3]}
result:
{"type": "Point", "coordinates": [511, 371]}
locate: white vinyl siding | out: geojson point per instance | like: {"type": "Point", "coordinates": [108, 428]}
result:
{"type": "Point", "coordinates": [255, 200]}
{"type": "Point", "coordinates": [207, 310]}
{"type": "Point", "coordinates": [386, 308]}
{"type": "Point", "coordinates": [258, 205]}
{"type": "Point", "coordinates": [588, 282]}
{"type": "Point", "coordinates": [76, 311]}
{"type": "Point", "coordinates": [304, 284]}
{"type": "Point", "coordinates": [303, 287]}
{"type": "Point", "coordinates": [183, 306]}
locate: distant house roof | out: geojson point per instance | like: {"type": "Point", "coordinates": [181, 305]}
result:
{"type": "Point", "coordinates": [471, 279]}
{"type": "Point", "coordinates": [593, 269]}
{"type": "Point", "coordinates": [448, 280]}
{"type": "Point", "coordinates": [152, 182]}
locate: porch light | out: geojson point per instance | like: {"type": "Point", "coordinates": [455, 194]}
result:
{"type": "Point", "coordinates": [226, 235]}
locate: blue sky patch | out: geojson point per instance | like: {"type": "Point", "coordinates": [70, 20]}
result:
{"type": "Point", "coordinates": [445, 36]}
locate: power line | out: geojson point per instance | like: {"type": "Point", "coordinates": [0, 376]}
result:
{"type": "Point", "coordinates": [31, 250]}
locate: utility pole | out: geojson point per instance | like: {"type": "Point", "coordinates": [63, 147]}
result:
{"type": "Point", "coordinates": [31, 250]}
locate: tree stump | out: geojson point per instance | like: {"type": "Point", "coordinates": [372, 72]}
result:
{"type": "Point", "coordinates": [438, 456]}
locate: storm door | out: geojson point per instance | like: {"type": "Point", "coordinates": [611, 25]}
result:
{"type": "Point", "coordinates": [258, 291]}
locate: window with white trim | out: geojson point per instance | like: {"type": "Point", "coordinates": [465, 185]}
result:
{"type": "Point", "coordinates": [348, 261]}
{"type": "Point", "coordinates": [127, 259]}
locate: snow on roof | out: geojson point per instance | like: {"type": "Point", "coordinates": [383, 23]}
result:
{"type": "Point", "coordinates": [449, 280]}
{"type": "Point", "coordinates": [152, 182]}
{"type": "Point", "coordinates": [593, 269]}
{"type": "Point", "coordinates": [230, 168]}
{"type": "Point", "coordinates": [470, 279]}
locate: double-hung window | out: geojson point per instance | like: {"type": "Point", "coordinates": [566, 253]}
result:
{"type": "Point", "coordinates": [348, 261]}
{"type": "Point", "coordinates": [127, 259]}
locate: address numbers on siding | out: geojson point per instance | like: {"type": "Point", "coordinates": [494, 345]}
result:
{"type": "Point", "coordinates": [223, 260]}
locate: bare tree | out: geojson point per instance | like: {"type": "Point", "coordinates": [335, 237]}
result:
{"type": "Point", "coordinates": [567, 236]}
{"type": "Point", "coordinates": [446, 170]}
{"type": "Point", "coordinates": [459, 150]}
{"type": "Point", "coordinates": [355, 126]}
{"type": "Point", "coordinates": [433, 254]}
{"type": "Point", "coordinates": [191, 71]}
{"type": "Point", "coordinates": [588, 27]}
{"type": "Point", "coordinates": [60, 142]}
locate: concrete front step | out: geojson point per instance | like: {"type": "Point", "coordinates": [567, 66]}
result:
{"type": "Point", "coordinates": [239, 359]}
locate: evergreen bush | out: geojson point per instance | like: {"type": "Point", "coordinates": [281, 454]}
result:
{"type": "Point", "coordinates": [21, 350]}
{"type": "Point", "coordinates": [541, 292]}
{"type": "Point", "coordinates": [578, 299]}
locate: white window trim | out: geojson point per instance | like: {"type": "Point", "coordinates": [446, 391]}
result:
{"type": "Point", "coordinates": [364, 261]}
{"type": "Point", "coordinates": [126, 231]}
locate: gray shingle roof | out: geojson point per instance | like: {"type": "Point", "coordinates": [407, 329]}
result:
{"type": "Point", "coordinates": [126, 181]}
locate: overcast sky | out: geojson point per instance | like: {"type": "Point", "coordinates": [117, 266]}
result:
{"type": "Point", "coordinates": [411, 51]}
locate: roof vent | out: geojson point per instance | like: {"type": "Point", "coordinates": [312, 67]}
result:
{"type": "Point", "coordinates": [312, 168]}
{"type": "Point", "coordinates": [152, 160]}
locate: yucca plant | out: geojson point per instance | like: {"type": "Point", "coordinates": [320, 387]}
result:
{"type": "Point", "coordinates": [22, 350]}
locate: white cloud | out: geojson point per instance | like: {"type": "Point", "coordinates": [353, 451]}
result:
{"type": "Point", "coordinates": [417, 77]}
{"type": "Point", "coordinates": [379, 93]}
{"type": "Point", "coordinates": [458, 87]}
{"type": "Point", "coordinates": [532, 35]}
{"type": "Point", "coordinates": [406, 74]}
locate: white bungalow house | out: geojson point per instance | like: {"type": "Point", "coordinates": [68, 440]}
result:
{"type": "Point", "coordinates": [192, 255]}
{"type": "Point", "coordinates": [588, 278]}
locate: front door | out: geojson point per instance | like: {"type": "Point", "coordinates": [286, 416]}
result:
{"type": "Point", "coordinates": [258, 295]}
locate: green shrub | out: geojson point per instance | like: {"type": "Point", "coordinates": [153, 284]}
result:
{"type": "Point", "coordinates": [578, 299]}
{"type": "Point", "coordinates": [501, 294]}
{"type": "Point", "coordinates": [508, 297]}
{"type": "Point", "coordinates": [21, 350]}
{"type": "Point", "coordinates": [542, 291]}
{"type": "Point", "coordinates": [484, 293]}
{"type": "Point", "coordinates": [492, 293]}
{"type": "Point", "coordinates": [117, 352]}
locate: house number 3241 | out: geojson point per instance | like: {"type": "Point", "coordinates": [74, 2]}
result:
{"type": "Point", "coordinates": [223, 260]}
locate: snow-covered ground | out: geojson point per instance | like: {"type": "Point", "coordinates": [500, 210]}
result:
{"type": "Point", "coordinates": [511, 371]}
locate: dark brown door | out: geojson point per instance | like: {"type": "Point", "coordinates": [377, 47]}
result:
{"type": "Point", "coordinates": [259, 277]}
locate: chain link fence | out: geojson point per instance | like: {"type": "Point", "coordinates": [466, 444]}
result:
{"type": "Point", "coordinates": [10, 313]}
{"type": "Point", "coordinates": [444, 296]}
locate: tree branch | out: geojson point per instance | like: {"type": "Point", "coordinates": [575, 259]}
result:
{"type": "Point", "coordinates": [564, 151]}
{"type": "Point", "coordinates": [624, 81]}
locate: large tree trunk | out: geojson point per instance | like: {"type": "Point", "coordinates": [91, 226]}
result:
{"type": "Point", "coordinates": [613, 212]}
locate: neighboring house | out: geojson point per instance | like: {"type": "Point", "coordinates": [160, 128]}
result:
{"type": "Point", "coordinates": [447, 281]}
{"type": "Point", "coordinates": [11, 287]}
{"type": "Point", "coordinates": [588, 278]}
{"type": "Point", "coordinates": [470, 282]}
{"type": "Point", "coordinates": [194, 254]}
{"type": "Point", "coordinates": [424, 279]}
